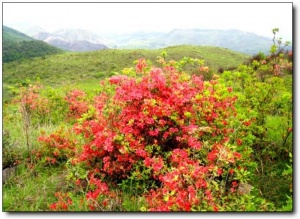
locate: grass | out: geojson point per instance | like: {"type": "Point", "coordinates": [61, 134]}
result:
{"type": "Point", "coordinates": [80, 68]}
{"type": "Point", "coordinates": [20, 192]}
{"type": "Point", "coordinates": [32, 190]}
{"type": "Point", "coordinates": [271, 165]}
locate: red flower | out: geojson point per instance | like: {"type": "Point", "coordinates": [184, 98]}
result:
{"type": "Point", "coordinates": [193, 143]}
{"type": "Point", "coordinates": [211, 156]}
{"type": "Point", "coordinates": [141, 153]}
{"type": "Point", "coordinates": [208, 194]}
{"type": "Point", "coordinates": [179, 155]}
{"type": "Point", "coordinates": [154, 132]}
{"type": "Point", "coordinates": [141, 65]}
{"type": "Point", "coordinates": [234, 184]}
{"type": "Point", "coordinates": [157, 164]}
{"type": "Point", "coordinates": [231, 171]}
{"type": "Point", "coordinates": [247, 123]}
{"type": "Point", "coordinates": [105, 201]}
{"type": "Point", "coordinates": [117, 79]}
{"type": "Point", "coordinates": [220, 171]}
{"type": "Point", "coordinates": [53, 206]}
{"type": "Point", "coordinates": [148, 162]}
{"type": "Point", "coordinates": [237, 155]}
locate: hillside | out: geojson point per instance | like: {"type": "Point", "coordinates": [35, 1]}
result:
{"type": "Point", "coordinates": [57, 69]}
{"type": "Point", "coordinates": [17, 45]}
{"type": "Point", "coordinates": [13, 35]}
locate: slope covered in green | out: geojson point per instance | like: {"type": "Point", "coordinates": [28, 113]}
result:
{"type": "Point", "coordinates": [17, 45]}
{"type": "Point", "coordinates": [13, 35]}
{"type": "Point", "coordinates": [72, 67]}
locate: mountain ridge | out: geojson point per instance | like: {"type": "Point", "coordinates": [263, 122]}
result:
{"type": "Point", "coordinates": [233, 39]}
{"type": "Point", "coordinates": [239, 41]}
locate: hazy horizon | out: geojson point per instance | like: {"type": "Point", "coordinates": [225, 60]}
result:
{"type": "Point", "coordinates": [105, 18]}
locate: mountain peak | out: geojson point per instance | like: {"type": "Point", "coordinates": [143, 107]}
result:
{"type": "Point", "coordinates": [72, 39]}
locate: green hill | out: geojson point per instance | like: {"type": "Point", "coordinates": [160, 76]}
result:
{"type": "Point", "coordinates": [17, 45]}
{"type": "Point", "coordinates": [70, 66]}
{"type": "Point", "coordinates": [13, 35]}
{"type": "Point", "coordinates": [87, 68]}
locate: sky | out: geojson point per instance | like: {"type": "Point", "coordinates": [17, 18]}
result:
{"type": "Point", "coordinates": [259, 18]}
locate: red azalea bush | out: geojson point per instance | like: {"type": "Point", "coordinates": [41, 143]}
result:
{"type": "Point", "coordinates": [168, 134]}
{"type": "Point", "coordinates": [32, 104]}
{"type": "Point", "coordinates": [43, 105]}
{"type": "Point", "coordinates": [77, 103]}
{"type": "Point", "coordinates": [56, 148]}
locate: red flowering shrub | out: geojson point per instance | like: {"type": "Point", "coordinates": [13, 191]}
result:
{"type": "Point", "coordinates": [164, 135]}
{"type": "Point", "coordinates": [141, 65]}
{"type": "Point", "coordinates": [41, 105]}
{"type": "Point", "coordinates": [63, 204]}
{"type": "Point", "coordinates": [33, 104]}
{"type": "Point", "coordinates": [56, 148]}
{"type": "Point", "coordinates": [77, 103]}
{"type": "Point", "coordinates": [165, 131]}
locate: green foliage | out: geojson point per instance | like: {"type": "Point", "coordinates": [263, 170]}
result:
{"type": "Point", "coordinates": [265, 105]}
{"type": "Point", "coordinates": [27, 49]}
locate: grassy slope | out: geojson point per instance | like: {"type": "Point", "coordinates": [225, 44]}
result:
{"type": "Point", "coordinates": [70, 67]}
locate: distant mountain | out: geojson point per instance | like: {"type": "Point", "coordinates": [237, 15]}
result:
{"type": "Point", "coordinates": [17, 45]}
{"type": "Point", "coordinates": [41, 36]}
{"type": "Point", "coordinates": [78, 35]}
{"type": "Point", "coordinates": [82, 40]}
{"type": "Point", "coordinates": [236, 40]}
{"type": "Point", "coordinates": [73, 40]}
